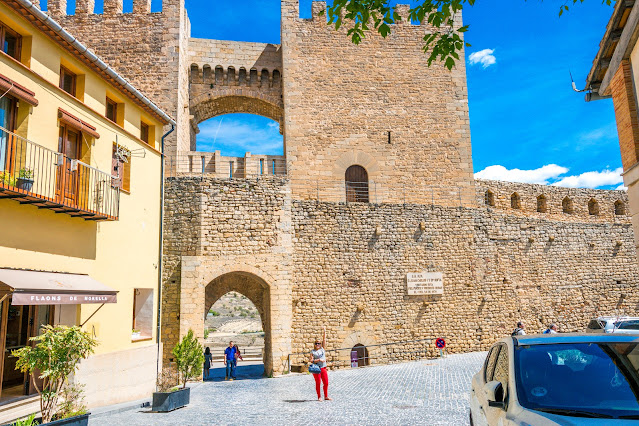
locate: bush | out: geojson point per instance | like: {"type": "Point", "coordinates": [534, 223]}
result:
{"type": "Point", "coordinates": [167, 380]}
{"type": "Point", "coordinates": [189, 358]}
{"type": "Point", "coordinates": [55, 356]}
{"type": "Point", "coordinates": [72, 402]}
{"type": "Point", "coordinates": [214, 313]}
{"type": "Point", "coordinates": [206, 333]}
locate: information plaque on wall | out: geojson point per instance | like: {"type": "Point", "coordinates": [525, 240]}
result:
{"type": "Point", "coordinates": [425, 283]}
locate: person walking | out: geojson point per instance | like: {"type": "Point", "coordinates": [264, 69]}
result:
{"type": "Point", "coordinates": [318, 358]}
{"type": "Point", "coordinates": [552, 329]}
{"type": "Point", "coordinates": [229, 361]}
{"type": "Point", "coordinates": [519, 330]}
{"type": "Point", "coordinates": [238, 354]}
{"type": "Point", "coordinates": [207, 362]}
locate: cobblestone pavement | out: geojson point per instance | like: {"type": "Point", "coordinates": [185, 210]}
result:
{"type": "Point", "coordinates": [429, 392]}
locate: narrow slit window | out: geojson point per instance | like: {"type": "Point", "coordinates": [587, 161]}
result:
{"type": "Point", "coordinates": [67, 81]}
{"type": "Point", "coordinates": [144, 132]}
{"type": "Point", "coordinates": [111, 110]}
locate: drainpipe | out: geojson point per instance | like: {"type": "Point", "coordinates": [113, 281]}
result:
{"type": "Point", "coordinates": [159, 319]}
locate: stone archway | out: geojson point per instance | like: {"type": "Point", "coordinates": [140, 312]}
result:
{"type": "Point", "coordinates": [256, 290]}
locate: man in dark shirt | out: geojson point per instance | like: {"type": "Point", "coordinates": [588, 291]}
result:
{"type": "Point", "coordinates": [229, 361]}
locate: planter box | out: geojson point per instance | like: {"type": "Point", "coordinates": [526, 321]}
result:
{"type": "Point", "coordinates": [25, 184]}
{"type": "Point", "coordinates": [82, 420]}
{"type": "Point", "coordinates": [169, 401]}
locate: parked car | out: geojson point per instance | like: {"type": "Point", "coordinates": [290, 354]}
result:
{"type": "Point", "coordinates": [558, 379]}
{"type": "Point", "coordinates": [613, 325]}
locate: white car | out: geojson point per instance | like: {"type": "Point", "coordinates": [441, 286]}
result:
{"type": "Point", "coordinates": [614, 324]}
{"type": "Point", "coordinates": [558, 379]}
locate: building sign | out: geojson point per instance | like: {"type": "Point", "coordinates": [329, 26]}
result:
{"type": "Point", "coordinates": [424, 283]}
{"type": "Point", "coordinates": [60, 299]}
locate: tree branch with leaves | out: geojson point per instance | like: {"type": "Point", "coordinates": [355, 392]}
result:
{"type": "Point", "coordinates": [443, 43]}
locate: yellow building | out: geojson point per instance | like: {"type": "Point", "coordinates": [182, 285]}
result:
{"type": "Point", "coordinates": [80, 206]}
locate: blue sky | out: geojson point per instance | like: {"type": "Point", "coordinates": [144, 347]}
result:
{"type": "Point", "coordinates": [527, 124]}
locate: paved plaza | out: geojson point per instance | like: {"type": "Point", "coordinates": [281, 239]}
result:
{"type": "Point", "coordinates": [431, 392]}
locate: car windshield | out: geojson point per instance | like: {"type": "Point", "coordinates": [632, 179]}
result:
{"type": "Point", "coordinates": [579, 378]}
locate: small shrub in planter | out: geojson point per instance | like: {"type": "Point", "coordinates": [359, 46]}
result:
{"type": "Point", "coordinates": [189, 359]}
{"type": "Point", "coordinates": [25, 179]}
{"type": "Point", "coordinates": [56, 355]}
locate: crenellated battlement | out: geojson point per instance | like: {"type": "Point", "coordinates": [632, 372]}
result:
{"type": "Point", "coordinates": [59, 8]}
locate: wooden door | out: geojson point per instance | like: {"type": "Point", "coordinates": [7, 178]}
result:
{"type": "Point", "coordinates": [4, 311]}
{"type": "Point", "coordinates": [356, 180]}
{"type": "Point", "coordinates": [69, 145]}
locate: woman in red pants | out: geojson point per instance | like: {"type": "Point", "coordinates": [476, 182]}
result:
{"type": "Point", "coordinates": [318, 356]}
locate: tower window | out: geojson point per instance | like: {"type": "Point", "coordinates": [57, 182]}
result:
{"type": "Point", "coordinates": [356, 181]}
{"type": "Point", "coordinates": [515, 201]}
{"type": "Point", "coordinates": [542, 206]}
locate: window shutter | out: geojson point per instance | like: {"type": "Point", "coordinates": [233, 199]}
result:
{"type": "Point", "coordinates": [116, 170]}
{"type": "Point", "coordinates": [126, 175]}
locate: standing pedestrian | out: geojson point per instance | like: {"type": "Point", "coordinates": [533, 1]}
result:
{"type": "Point", "coordinates": [207, 362]}
{"type": "Point", "coordinates": [230, 361]}
{"type": "Point", "coordinates": [519, 330]}
{"type": "Point", "coordinates": [318, 358]}
{"type": "Point", "coordinates": [552, 329]}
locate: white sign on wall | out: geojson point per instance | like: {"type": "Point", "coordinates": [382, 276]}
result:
{"type": "Point", "coordinates": [425, 283]}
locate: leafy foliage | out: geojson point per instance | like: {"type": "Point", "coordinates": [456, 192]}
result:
{"type": "Point", "coordinates": [55, 355]}
{"type": "Point", "coordinates": [27, 421]}
{"type": "Point", "coordinates": [442, 43]}
{"type": "Point", "coordinates": [189, 358]}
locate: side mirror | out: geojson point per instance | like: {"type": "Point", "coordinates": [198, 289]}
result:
{"type": "Point", "coordinates": [495, 394]}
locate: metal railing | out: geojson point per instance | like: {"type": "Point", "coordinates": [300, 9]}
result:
{"type": "Point", "coordinates": [36, 175]}
{"type": "Point", "coordinates": [383, 353]}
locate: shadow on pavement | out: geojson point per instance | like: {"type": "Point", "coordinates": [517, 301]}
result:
{"type": "Point", "coordinates": [242, 372]}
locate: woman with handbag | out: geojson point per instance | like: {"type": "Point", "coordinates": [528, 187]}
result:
{"type": "Point", "coordinates": [317, 360]}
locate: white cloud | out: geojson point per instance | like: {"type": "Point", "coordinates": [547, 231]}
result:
{"type": "Point", "coordinates": [592, 179]}
{"type": "Point", "coordinates": [621, 188]}
{"type": "Point", "coordinates": [484, 57]}
{"type": "Point", "coordinates": [551, 174]}
{"type": "Point", "coordinates": [540, 176]}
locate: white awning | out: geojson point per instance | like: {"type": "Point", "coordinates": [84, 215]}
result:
{"type": "Point", "coordinates": [53, 288]}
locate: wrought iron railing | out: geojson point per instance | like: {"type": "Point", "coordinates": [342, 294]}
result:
{"type": "Point", "coordinates": [33, 174]}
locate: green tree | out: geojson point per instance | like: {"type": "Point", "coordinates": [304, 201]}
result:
{"type": "Point", "coordinates": [189, 358]}
{"type": "Point", "coordinates": [55, 355]}
{"type": "Point", "coordinates": [443, 44]}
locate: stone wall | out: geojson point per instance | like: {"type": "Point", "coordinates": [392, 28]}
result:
{"type": "Point", "coordinates": [343, 265]}
{"type": "Point", "coordinates": [341, 101]}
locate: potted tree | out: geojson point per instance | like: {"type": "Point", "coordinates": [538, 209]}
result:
{"type": "Point", "coordinates": [25, 179]}
{"type": "Point", "coordinates": [189, 359]}
{"type": "Point", "coordinates": [54, 357]}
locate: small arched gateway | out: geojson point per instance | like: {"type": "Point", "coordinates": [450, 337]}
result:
{"type": "Point", "coordinates": [359, 356]}
{"type": "Point", "coordinates": [356, 182]}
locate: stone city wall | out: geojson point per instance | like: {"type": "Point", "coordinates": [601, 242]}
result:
{"type": "Point", "coordinates": [344, 266]}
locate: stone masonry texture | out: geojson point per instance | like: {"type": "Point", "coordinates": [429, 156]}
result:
{"type": "Point", "coordinates": [343, 265]}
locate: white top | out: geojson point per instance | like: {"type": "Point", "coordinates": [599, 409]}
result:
{"type": "Point", "coordinates": [319, 354]}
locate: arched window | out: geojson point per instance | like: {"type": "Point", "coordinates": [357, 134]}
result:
{"type": "Point", "coordinates": [567, 205]}
{"type": "Point", "coordinates": [359, 356]}
{"type": "Point", "coordinates": [593, 207]}
{"type": "Point", "coordinates": [356, 179]}
{"type": "Point", "coordinates": [620, 208]}
{"type": "Point", "coordinates": [515, 201]}
{"type": "Point", "coordinates": [542, 206]}
{"type": "Point", "coordinates": [489, 198]}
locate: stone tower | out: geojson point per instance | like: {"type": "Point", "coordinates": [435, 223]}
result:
{"type": "Point", "coordinates": [377, 105]}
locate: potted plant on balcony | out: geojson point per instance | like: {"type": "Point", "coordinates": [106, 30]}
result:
{"type": "Point", "coordinates": [55, 356]}
{"type": "Point", "coordinates": [6, 179]}
{"type": "Point", "coordinates": [135, 334]}
{"type": "Point", "coordinates": [189, 359]}
{"type": "Point", "coordinates": [25, 179]}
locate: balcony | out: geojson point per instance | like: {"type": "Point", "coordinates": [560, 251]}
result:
{"type": "Point", "coordinates": [33, 174]}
